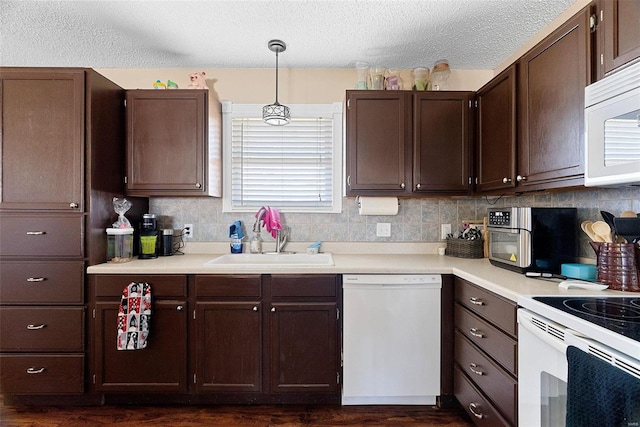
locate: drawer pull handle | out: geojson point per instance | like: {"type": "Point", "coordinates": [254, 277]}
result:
{"type": "Point", "coordinates": [35, 371]}
{"type": "Point", "coordinates": [475, 333]}
{"type": "Point", "coordinates": [36, 233]}
{"type": "Point", "coordinates": [473, 409]}
{"type": "Point", "coordinates": [476, 301]}
{"type": "Point", "coordinates": [32, 327]}
{"type": "Point", "coordinates": [36, 279]}
{"type": "Point", "coordinates": [474, 368]}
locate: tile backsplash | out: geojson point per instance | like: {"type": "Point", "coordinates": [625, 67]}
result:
{"type": "Point", "coordinates": [418, 220]}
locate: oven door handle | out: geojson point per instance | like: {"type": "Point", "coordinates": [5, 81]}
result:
{"type": "Point", "coordinates": [525, 320]}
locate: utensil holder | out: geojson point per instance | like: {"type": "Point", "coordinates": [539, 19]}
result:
{"type": "Point", "coordinates": [618, 265]}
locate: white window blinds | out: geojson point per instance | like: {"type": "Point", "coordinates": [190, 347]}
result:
{"type": "Point", "coordinates": [291, 167]}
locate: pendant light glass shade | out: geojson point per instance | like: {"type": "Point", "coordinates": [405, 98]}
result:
{"type": "Point", "coordinates": [276, 114]}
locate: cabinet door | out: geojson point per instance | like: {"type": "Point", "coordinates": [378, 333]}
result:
{"type": "Point", "coordinates": [303, 339]}
{"type": "Point", "coordinates": [229, 349]}
{"type": "Point", "coordinates": [378, 143]}
{"type": "Point", "coordinates": [496, 146]}
{"type": "Point", "coordinates": [162, 366]}
{"type": "Point", "coordinates": [42, 139]}
{"type": "Point", "coordinates": [619, 30]}
{"type": "Point", "coordinates": [441, 142]}
{"type": "Point", "coordinates": [166, 142]}
{"type": "Point", "coordinates": [552, 78]}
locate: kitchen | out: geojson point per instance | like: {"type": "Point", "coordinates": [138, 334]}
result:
{"type": "Point", "coordinates": [417, 227]}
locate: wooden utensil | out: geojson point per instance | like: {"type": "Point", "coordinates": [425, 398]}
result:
{"type": "Point", "coordinates": [603, 230]}
{"type": "Point", "coordinates": [628, 214]}
{"type": "Point", "coordinates": [587, 228]}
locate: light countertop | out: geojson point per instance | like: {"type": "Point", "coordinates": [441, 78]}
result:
{"type": "Point", "coordinates": [479, 271]}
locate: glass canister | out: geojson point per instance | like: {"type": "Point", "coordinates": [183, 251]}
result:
{"type": "Point", "coordinates": [421, 78]}
{"type": "Point", "coordinates": [393, 80]}
{"type": "Point", "coordinates": [440, 74]}
{"type": "Point", "coordinates": [362, 68]}
{"type": "Point", "coordinates": [119, 244]}
{"type": "Point", "coordinates": [377, 78]}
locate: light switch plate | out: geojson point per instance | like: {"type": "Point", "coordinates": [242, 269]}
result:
{"type": "Point", "coordinates": [383, 229]}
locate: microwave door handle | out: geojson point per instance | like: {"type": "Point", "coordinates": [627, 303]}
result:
{"type": "Point", "coordinates": [525, 322]}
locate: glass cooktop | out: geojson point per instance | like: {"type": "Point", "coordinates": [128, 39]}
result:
{"type": "Point", "coordinates": [617, 314]}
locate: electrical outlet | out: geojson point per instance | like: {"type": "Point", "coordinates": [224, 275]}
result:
{"type": "Point", "coordinates": [187, 232]}
{"type": "Point", "coordinates": [383, 229]}
{"type": "Point", "coordinates": [444, 230]}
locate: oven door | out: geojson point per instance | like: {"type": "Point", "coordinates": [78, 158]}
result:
{"type": "Point", "coordinates": [510, 246]}
{"type": "Point", "coordinates": [542, 373]}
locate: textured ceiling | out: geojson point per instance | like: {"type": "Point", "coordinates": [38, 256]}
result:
{"type": "Point", "coordinates": [472, 34]}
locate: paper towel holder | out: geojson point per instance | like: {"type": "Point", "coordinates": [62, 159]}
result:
{"type": "Point", "coordinates": [359, 204]}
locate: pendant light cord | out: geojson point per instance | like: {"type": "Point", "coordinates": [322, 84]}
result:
{"type": "Point", "coordinates": [277, 51]}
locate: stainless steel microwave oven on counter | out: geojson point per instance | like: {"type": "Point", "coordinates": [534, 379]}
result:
{"type": "Point", "coordinates": [532, 239]}
{"type": "Point", "coordinates": [612, 129]}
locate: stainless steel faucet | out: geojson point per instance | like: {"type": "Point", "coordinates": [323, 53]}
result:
{"type": "Point", "coordinates": [282, 238]}
{"type": "Point", "coordinates": [259, 215]}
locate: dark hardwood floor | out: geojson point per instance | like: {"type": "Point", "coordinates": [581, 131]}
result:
{"type": "Point", "coordinates": [230, 415]}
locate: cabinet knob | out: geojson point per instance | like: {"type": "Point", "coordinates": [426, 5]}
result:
{"type": "Point", "coordinates": [506, 180]}
{"type": "Point", "coordinates": [273, 309]}
{"type": "Point", "coordinates": [476, 333]}
{"type": "Point", "coordinates": [255, 308]}
{"type": "Point", "coordinates": [35, 370]}
{"type": "Point", "coordinates": [402, 185]}
{"type": "Point", "coordinates": [198, 185]}
{"type": "Point", "coordinates": [474, 368]}
{"type": "Point", "coordinates": [473, 408]}
{"type": "Point", "coordinates": [73, 205]}
{"type": "Point", "coordinates": [418, 186]}
{"type": "Point", "coordinates": [180, 308]}
{"type": "Point", "coordinates": [521, 178]}
{"type": "Point", "coordinates": [33, 327]}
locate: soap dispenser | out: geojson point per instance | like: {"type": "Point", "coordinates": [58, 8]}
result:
{"type": "Point", "coordinates": [255, 244]}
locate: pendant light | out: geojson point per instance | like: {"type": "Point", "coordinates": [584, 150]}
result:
{"type": "Point", "coordinates": [276, 114]}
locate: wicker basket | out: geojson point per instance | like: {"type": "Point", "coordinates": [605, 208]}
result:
{"type": "Point", "coordinates": [463, 248]}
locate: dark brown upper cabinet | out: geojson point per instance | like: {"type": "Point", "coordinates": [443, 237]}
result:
{"type": "Point", "coordinates": [408, 143]}
{"type": "Point", "coordinates": [618, 34]}
{"type": "Point", "coordinates": [496, 133]}
{"type": "Point", "coordinates": [42, 139]}
{"type": "Point", "coordinates": [168, 143]}
{"type": "Point", "coordinates": [551, 81]}
{"type": "Point", "coordinates": [378, 143]}
{"type": "Point", "coordinates": [441, 128]}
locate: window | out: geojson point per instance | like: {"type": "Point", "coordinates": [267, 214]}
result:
{"type": "Point", "coordinates": [296, 168]}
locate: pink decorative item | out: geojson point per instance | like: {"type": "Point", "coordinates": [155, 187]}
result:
{"type": "Point", "coordinates": [197, 81]}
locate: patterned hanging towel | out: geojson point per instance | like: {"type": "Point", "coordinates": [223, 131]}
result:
{"type": "Point", "coordinates": [134, 316]}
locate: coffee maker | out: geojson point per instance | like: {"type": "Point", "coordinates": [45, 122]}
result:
{"type": "Point", "coordinates": [148, 237]}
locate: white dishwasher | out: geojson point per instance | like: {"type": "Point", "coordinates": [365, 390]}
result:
{"type": "Point", "coordinates": [391, 339]}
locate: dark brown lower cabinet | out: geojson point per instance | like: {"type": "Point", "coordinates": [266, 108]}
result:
{"type": "Point", "coordinates": [229, 346]}
{"type": "Point", "coordinates": [162, 365]}
{"type": "Point", "coordinates": [303, 347]}
{"type": "Point", "coordinates": [222, 339]}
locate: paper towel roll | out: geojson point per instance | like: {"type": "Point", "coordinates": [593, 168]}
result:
{"type": "Point", "coordinates": [377, 205]}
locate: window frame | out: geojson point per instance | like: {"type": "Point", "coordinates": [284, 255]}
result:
{"type": "Point", "coordinates": [232, 111]}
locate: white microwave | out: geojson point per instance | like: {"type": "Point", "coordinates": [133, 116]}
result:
{"type": "Point", "coordinates": [612, 129]}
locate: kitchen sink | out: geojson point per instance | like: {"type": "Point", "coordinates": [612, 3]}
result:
{"type": "Point", "coordinates": [286, 259]}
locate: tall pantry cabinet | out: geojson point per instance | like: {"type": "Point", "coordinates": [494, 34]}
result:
{"type": "Point", "coordinates": [62, 144]}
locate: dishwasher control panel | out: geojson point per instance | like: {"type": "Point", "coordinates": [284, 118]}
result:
{"type": "Point", "coordinates": [392, 279]}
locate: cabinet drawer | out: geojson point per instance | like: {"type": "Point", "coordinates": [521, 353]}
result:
{"type": "Point", "coordinates": [162, 286]}
{"type": "Point", "coordinates": [42, 328]}
{"type": "Point", "coordinates": [41, 282]}
{"type": "Point", "coordinates": [42, 374]}
{"type": "Point", "coordinates": [494, 342]}
{"type": "Point", "coordinates": [495, 309]}
{"type": "Point", "coordinates": [488, 376]}
{"type": "Point", "coordinates": [228, 286]}
{"type": "Point", "coordinates": [479, 409]}
{"type": "Point", "coordinates": [307, 285]}
{"type": "Point", "coordinates": [42, 235]}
